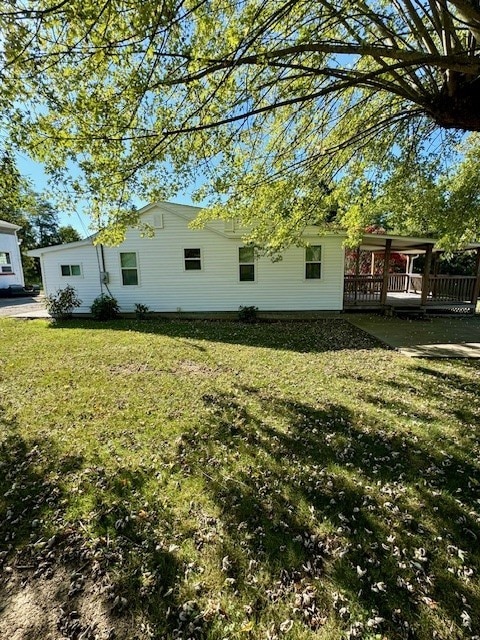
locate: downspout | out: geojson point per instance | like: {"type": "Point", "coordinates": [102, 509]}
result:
{"type": "Point", "coordinates": [19, 257]}
{"type": "Point", "coordinates": [410, 271]}
{"type": "Point", "coordinates": [43, 275]}
{"type": "Point", "coordinates": [103, 282]}
{"type": "Point", "coordinates": [101, 266]}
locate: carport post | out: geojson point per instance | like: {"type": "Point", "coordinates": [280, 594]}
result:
{"type": "Point", "coordinates": [386, 269]}
{"type": "Point", "coordinates": [476, 286]}
{"type": "Point", "coordinates": [426, 274]}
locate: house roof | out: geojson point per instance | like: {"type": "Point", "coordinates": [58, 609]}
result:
{"type": "Point", "coordinates": [186, 212]}
{"type": "Point", "coordinates": [403, 244]}
{"type": "Point", "coordinates": [37, 253]}
{"type": "Point", "coordinates": [8, 225]}
{"type": "Point", "coordinates": [370, 241]}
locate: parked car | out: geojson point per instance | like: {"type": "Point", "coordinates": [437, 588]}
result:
{"type": "Point", "coordinates": [17, 291]}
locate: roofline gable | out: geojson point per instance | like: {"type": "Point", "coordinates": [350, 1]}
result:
{"type": "Point", "coordinates": [9, 225]}
{"type": "Point", "coordinates": [175, 209]}
{"type": "Point", "coordinates": [37, 253]}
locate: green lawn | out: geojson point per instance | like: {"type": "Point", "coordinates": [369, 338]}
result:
{"type": "Point", "coordinates": [214, 480]}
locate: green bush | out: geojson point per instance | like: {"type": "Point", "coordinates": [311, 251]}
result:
{"type": "Point", "coordinates": [61, 304]}
{"type": "Point", "coordinates": [105, 308]}
{"type": "Point", "coordinates": [141, 311]}
{"type": "Point", "coordinates": [248, 314]}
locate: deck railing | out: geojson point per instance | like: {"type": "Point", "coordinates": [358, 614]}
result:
{"type": "Point", "coordinates": [366, 289]}
{"type": "Point", "coordinates": [450, 288]}
{"type": "Point", "coordinates": [398, 282]}
{"type": "Point", "coordinates": [362, 288]}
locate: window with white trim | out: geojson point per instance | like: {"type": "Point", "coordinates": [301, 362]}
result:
{"type": "Point", "coordinates": [5, 262]}
{"type": "Point", "coordinates": [71, 270]}
{"type": "Point", "coordinates": [313, 262]}
{"type": "Point", "coordinates": [129, 268]}
{"type": "Point", "coordinates": [192, 259]}
{"type": "Point", "coordinates": [246, 260]}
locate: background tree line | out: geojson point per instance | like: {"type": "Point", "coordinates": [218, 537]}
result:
{"type": "Point", "coordinates": [37, 218]}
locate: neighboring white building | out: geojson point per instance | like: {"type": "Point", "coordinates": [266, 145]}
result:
{"type": "Point", "coordinates": [208, 269]}
{"type": "Point", "coordinates": [11, 271]}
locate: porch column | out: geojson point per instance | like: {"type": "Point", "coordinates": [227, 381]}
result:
{"type": "Point", "coordinates": [408, 268]}
{"type": "Point", "coordinates": [386, 267]}
{"type": "Point", "coordinates": [476, 286]}
{"type": "Point", "coordinates": [435, 266]}
{"type": "Point", "coordinates": [426, 273]}
{"type": "Point", "coordinates": [357, 272]}
{"type": "Point", "coordinates": [372, 263]}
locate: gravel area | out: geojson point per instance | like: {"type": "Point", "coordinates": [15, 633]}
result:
{"type": "Point", "coordinates": [23, 308]}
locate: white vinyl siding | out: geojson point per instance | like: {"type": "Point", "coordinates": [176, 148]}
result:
{"type": "Point", "coordinates": [87, 286]}
{"type": "Point", "coordinates": [11, 271]}
{"type": "Point", "coordinates": [279, 286]}
{"type": "Point", "coordinates": [167, 286]}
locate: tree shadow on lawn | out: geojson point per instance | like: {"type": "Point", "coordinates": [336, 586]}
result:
{"type": "Point", "coordinates": [456, 387]}
{"type": "Point", "coordinates": [108, 577]}
{"type": "Point", "coordinates": [383, 518]}
{"type": "Point", "coordinates": [330, 334]}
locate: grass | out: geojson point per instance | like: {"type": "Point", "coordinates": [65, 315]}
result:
{"type": "Point", "coordinates": [222, 481]}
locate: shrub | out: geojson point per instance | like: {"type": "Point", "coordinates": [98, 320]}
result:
{"type": "Point", "coordinates": [61, 304]}
{"type": "Point", "coordinates": [247, 314]}
{"type": "Point", "coordinates": [141, 311]}
{"type": "Point", "coordinates": [105, 307]}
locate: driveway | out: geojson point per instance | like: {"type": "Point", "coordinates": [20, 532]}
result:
{"type": "Point", "coordinates": [27, 307]}
{"type": "Point", "coordinates": [448, 337]}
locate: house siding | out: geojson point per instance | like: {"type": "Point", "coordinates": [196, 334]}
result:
{"type": "Point", "coordinates": [87, 284]}
{"type": "Point", "coordinates": [165, 286]}
{"type": "Point", "coordinates": [9, 244]}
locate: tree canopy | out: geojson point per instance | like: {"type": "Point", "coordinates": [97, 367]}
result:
{"type": "Point", "coordinates": [296, 112]}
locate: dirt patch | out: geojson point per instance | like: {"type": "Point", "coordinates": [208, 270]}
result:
{"type": "Point", "coordinates": [190, 367]}
{"type": "Point", "coordinates": [34, 608]}
{"type": "Point", "coordinates": [183, 367]}
{"type": "Point", "coordinates": [131, 368]}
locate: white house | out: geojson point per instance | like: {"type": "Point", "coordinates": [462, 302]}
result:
{"type": "Point", "coordinates": [11, 271]}
{"type": "Point", "coordinates": [208, 269]}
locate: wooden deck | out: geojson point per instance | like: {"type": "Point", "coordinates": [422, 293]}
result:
{"type": "Point", "coordinates": [447, 293]}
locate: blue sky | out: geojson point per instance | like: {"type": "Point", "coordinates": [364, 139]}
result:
{"type": "Point", "coordinates": [33, 171]}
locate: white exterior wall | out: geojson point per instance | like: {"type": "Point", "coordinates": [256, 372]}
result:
{"type": "Point", "coordinates": [165, 286]}
{"type": "Point", "coordinates": [87, 284]}
{"type": "Point", "coordinates": [9, 243]}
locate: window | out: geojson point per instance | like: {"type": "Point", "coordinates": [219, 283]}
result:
{"type": "Point", "coordinates": [313, 262]}
{"type": "Point", "coordinates": [5, 262]}
{"type": "Point", "coordinates": [71, 270]}
{"type": "Point", "coordinates": [128, 264]}
{"type": "Point", "coordinates": [246, 259]}
{"type": "Point", "coordinates": [193, 261]}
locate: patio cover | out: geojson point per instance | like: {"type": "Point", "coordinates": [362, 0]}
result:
{"type": "Point", "coordinates": [403, 244]}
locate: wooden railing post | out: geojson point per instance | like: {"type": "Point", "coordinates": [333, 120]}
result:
{"type": "Point", "coordinates": [426, 274]}
{"type": "Point", "coordinates": [357, 272]}
{"type": "Point", "coordinates": [434, 267]}
{"type": "Point", "coordinates": [386, 267]}
{"type": "Point", "coordinates": [476, 286]}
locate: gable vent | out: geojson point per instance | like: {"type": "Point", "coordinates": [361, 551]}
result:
{"type": "Point", "coordinates": [158, 220]}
